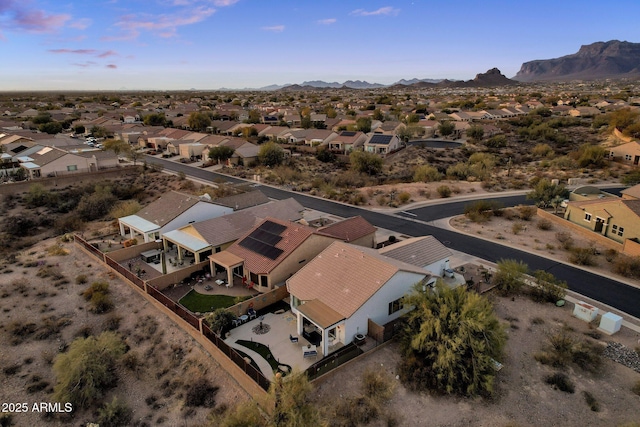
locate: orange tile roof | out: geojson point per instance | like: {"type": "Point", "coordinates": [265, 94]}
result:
{"type": "Point", "coordinates": [345, 276]}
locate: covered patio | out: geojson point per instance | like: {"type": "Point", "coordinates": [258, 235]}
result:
{"type": "Point", "coordinates": [229, 265]}
{"type": "Point", "coordinates": [133, 226]}
{"type": "Point", "coordinates": [183, 244]}
{"type": "Point", "coordinates": [321, 325]}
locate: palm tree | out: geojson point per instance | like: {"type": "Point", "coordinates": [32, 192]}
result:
{"type": "Point", "coordinates": [451, 342]}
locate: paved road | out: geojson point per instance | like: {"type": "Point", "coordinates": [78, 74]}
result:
{"type": "Point", "coordinates": [611, 292]}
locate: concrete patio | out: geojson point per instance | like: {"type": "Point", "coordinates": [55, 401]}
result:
{"type": "Point", "coordinates": [277, 339]}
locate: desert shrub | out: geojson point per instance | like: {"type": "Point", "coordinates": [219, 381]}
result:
{"type": "Point", "coordinates": [544, 224]}
{"type": "Point", "coordinates": [50, 271]}
{"type": "Point", "coordinates": [96, 205]}
{"type": "Point", "coordinates": [444, 191]}
{"type": "Point", "coordinates": [510, 276]}
{"type": "Point", "coordinates": [57, 250]}
{"type": "Point", "coordinates": [561, 382]}
{"type": "Point", "coordinates": [377, 385]}
{"type": "Point", "coordinates": [527, 212]}
{"type": "Point", "coordinates": [636, 388]}
{"type": "Point", "coordinates": [365, 162]}
{"type": "Point", "coordinates": [87, 370]}
{"type": "Point", "coordinates": [20, 330]}
{"type": "Point", "coordinates": [220, 320]}
{"type": "Point", "coordinates": [587, 355]}
{"type": "Point", "coordinates": [481, 210]}
{"type": "Point", "coordinates": [426, 173]}
{"type": "Point", "coordinates": [627, 266]}
{"type": "Point", "coordinates": [200, 393]}
{"type": "Point", "coordinates": [517, 227]}
{"type": "Point", "coordinates": [81, 279]}
{"type": "Point", "coordinates": [591, 401]}
{"type": "Point", "coordinates": [112, 322]}
{"type": "Point", "coordinates": [125, 208]}
{"type": "Point", "coordinates": [581, 256]}
{"type": "Point", "coordinates": [548, 288]}
{"type": "Point", "coordinates": [610, 254]}
{"type": "Point", "coordinates": [542, 150]}
{"type": "Point", "coordinates": [562, 349]}
{"type": "Point", "coordinates": [354, 411]}
{"type": "Point", "coordinates": [98, 295]}
{"type": "Point", "coordinates": [6, 420]}
{"type": "Point", "coordinates": [565, 239]}
{"type": "Point", "coordinates": [404, 197]}
{"type": "Point", "coordinates": [114, 414]}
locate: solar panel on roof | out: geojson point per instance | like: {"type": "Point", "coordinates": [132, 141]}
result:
{"type": "Point", "coordinates": [266, 237]}
{"type": "Point", "coordinates": [272, 227]}
{"type": "Point", "coordinates": [347, 133]}
{"type": "Point", "coordinates": [261, 248]}
{"type": "Point", "coordinates": [380, 139]}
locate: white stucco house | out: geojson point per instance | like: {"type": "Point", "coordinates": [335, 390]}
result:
{"type": "Point", "coordinates": [170, 212]}
{"type": "Point", "coordinates": [343, 288]}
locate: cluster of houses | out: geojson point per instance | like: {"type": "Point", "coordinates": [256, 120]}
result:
{"type": "Point", "coordinates": [337, 280]}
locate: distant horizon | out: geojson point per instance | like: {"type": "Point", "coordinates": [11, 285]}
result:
{"type": "Point", "coordinates": [178, 45]}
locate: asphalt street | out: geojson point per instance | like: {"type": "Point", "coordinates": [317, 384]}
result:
{"type": "Point", "coordinates": [608, 291]}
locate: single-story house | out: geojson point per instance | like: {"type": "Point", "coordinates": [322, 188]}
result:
{"type": "Point", "coordinates": [270, 253]}
{"type": "Point", "coordinates": [612, 217]}
{"type": "Point", "coordinates": [626, 153]}
{"type": "Point", "coordinates": [355, 230]}
{"type": "Point", "coordinates": [337, 294]}
{"type": "Point", "coordinates": [217, 234]}
{"type": "Point", "coordinates": [171, 211]}
{"type": "Point", "coordinates": [347, 141]}
{"type": "Point", "coordinates": [381, 144]}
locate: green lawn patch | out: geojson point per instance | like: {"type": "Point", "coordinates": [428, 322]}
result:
{"type": "Point", "coordinates": [266, 354]}
{"type": "Point", "coordinates": [199, 303]}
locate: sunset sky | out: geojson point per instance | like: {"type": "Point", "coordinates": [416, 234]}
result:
{"type": "Point", "coordinates": [209, 44]}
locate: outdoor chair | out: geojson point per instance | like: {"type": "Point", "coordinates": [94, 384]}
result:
{"type": "Point", "coordinates": [293, 339]}
{"type": "Point", "coordinates": [236, 322]}
{"type": "Point", "coordinates": [251, 313]}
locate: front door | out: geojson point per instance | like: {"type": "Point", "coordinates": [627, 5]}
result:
{"type": "Point", "coordinates": [636, 160]}
{"type": "Point", "coordinates": [599, 224]}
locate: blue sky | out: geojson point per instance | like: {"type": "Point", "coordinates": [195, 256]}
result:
{"type": "Point", "coordinates": [209, 44]}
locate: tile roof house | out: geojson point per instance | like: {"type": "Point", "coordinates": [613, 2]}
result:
{"type": "Point", "coordinates": [426, 252]}
{"type": "Point", "coordinates": [341, 290]}
{"type": "Point", "coordinates": [171, 211]}
{"type": "Point", "coordinates": [382, 144]}
{"type": "Point", "coordinates": [628, 153]}
{"type": "Point", "coordinates": [631, 193]}
{"type": "Point", "coordinates": [217, 234]}
{"type": "Point", "coordinates": [270, 253]}
{"type": "Point", "coordinates": [41, 161]}
{"type": "Point", "coordinates": [612, 217]}
{"type": "Point", "coordinates": [347, 141]}
{"type": "Point", "coordinates": [355, 230]}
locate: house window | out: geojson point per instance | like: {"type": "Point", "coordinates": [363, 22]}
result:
{"type": "Point", "coordinates": [617, 230]}
{"type": "Point", "coordinates": [72, 168]}
{"type": "Point", "coordinates": [264, 281]}
{"type": "Point", "coordinates": [395, 306]}
{"type": "Point", "coordinates": [587, 217]}
{"type": "Point", "coordinates": [627, 156]}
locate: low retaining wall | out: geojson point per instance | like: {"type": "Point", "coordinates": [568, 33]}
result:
{"type": "Point", "coordinates": [631, 248]}
{"type": "Point", "coordinates": [133, 251]}
{"type": "Point", "coordinates": [170, 279]}
{"type": "Point", "coordinates": [588, 234]}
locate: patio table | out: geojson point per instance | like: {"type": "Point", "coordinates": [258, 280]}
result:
{"type": "Point", "coordinates": [244, 318]}
{"type": "Point", "coordinates": [219, 282]}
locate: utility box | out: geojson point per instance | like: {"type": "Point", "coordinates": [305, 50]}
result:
{"type": "Point", "coordinates": [584, 311]}
{"type": "Point", "coordinates": [610, 323]}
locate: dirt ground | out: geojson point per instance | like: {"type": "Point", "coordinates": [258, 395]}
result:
{"type": "Point", "coordinates": [169, 359]}
{"type": "Point", "coordinates": [522, 398]}
{"type": "Point", "coordinates": [418, 192]}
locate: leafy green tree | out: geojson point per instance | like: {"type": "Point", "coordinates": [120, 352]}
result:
{"type": "Point", "coordinates": [116, 145]}
{"type": "Point", "coordinates": [88, 369]}
{"type": "Point", "coordinates": [412, 118]}
{"type": "Point", "coordinates": [545, 192]}
{"type": "Point", "coordinates": [51, 128]}
{"type": "Point", "coordinates": [363, 124]}
{"type": "Point", "coordinates": [330, 112]}
{"type": "Point", "coordinates": [155, 119]}
{"type": "Point", "coordinates": [325, 155]}
{"type": "Point", "coordinates": [591, 155]}
{"type": "Point", "coordinates": [79, 129]}
{"type": "Point", "coordinates": [451, 341]}
{"type": "Point", "coordinates": [446, 128]}
{"type": "Point", "coordinates": [41, 118]}
{"type": "Point", "coordinates": [221, 153]}
{"type": "Point", "coordinates": [38, 196]}
{"type": "Point", "coordinates": [220, 320]}
{"type": "Point", "coordinates": [100, 132]}
{"type": "Point", "coordinates": [366, 162]}
{"type": "Point", "coordinates": [198, 121]}
{"type": "Point", "coordinates": [510, 276]}
{"type": "Point", "coordinates": [378, 115]}
{"type": "Point", "coordinates": [254, 117]}
{"type": "Point", "coordinates": [475, 132]}
{"type": "Point", "coordinates": [631, 178]}
{"type": "Point", "coordinates": [270, 154]}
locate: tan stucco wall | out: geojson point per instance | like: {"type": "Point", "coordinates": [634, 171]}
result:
{"type": "Point", "coordinates": [583, 231]}
{"type": "Point", "coordinates": [619, 214]}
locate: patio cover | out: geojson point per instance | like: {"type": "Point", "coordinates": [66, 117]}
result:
{"type": "Point", "coordinates": [30, 165]}
{"type": "Point", "coordinates": [320, 313]}
{"type": "Point", "coordinates": [186, 241]}
{"type": "Point", "coordinates": [138, 223]}
{"type": "Point", "coordinates": [226, 259]}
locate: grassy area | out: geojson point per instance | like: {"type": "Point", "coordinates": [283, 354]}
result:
{"type": "Point", "coordinates": [266, 354]}
{"type": "Point", "coordinates": [199, 303]}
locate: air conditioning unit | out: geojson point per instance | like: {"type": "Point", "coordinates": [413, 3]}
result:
{"type": "Point", "coordinates": [448, 272]}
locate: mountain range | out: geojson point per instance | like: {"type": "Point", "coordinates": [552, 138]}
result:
{"type": "Point", "coordinates": [601, 60]}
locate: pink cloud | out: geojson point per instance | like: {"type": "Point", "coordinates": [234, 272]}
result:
{"type": "Point", "coordinates": [76, 51]}
{"type": "Point", "coordinates": [274, 28]}
{"type": "Point", "coordinates": [19, 17]}
{"type": "Point", "coordinates": [84, 64]}
{"type": "Point", "coordinates": [224, 3]}
{"type": "Point", "coordinates": [108, 53]}
{"type": "Point", "coordinates": [163, 25]}
{"type": "Point", "coordinates": [112, 66]}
